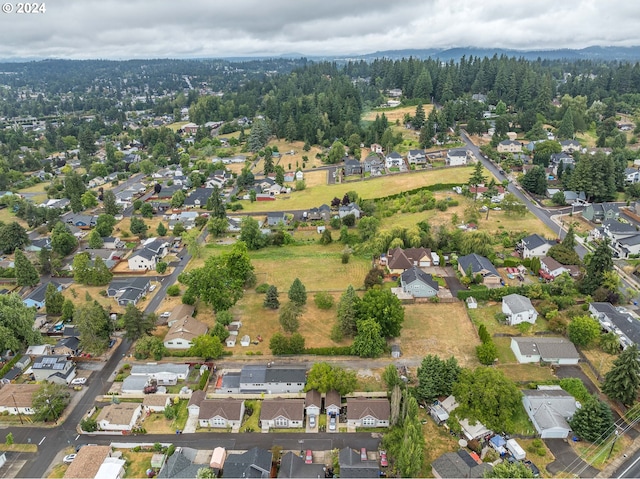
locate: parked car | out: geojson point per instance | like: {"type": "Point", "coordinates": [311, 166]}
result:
{"type": "Point", "coordinates": [363, 454]}
{"type": "Point", "coordinates": [152, 287]}
{"type": "Point", "coordinates": [383, 459]}
{"type": "Point", "coordinates": [165, 315]}
{"type": "Point", "coordinates": [312, 421]}
{"type": "Point", "coordinates": [112, 342]}
{"type": "Point", "coordinates": [152, 388]}
{"type": "Point", "coordinates": [533, 467]}
{"type": "Point", "coordinates": [68, 459]}
{"type": "Point", "coordinates": [308, 457]}
{"type": "Point", "coordinates": [78, 381]}
{"type": "Point", "coordinates": [332, 423]}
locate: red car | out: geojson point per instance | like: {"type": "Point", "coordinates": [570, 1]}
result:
{"type": "Point", "coordinates": [308, 457]}
{"type": "Point", "coordinates": [383, 459]}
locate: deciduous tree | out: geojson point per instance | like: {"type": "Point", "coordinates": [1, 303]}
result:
{"type": "Point", "coordinates": [324, 377]}
{"type": "Point", "coordinates": [49, 401]}
{"type": "Point", "coordinates": [206, 347]}
{"type": "Point", "coordinates": [385, 308]}
{"type": "Point", "coordinates": [105, 224]}
{"type": "Point", "coordinates": [289, 317]}
{"type": "Point", "coordinates": [583, 330]}
{"type": "Point", "coordinates": [12, 237]}
{"type": "Point", "coordinates": [369, 341]}
{"type": "Point", "coordinates": [53, 300]}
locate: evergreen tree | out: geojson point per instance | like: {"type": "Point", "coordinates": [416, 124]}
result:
{"type": "Point", "coordinates": [477, 178]}
{"type": "Point", "coordinates": [26, 273]}
{"type": "Point", "coordinates": [535, 180]}
{"type": "Point", "coordinates": [600, 261]}
{"type": "Point", "coordinates": [53, 300]}
{"type": "Point", "coordinates": [162, 229]}
{"type": "Point", "coordinates": [271, 300]}
{"type": "Point", "coordinates": [216, 205]}
{"type": "Point", "coordinates": [289, 317]}
{"type": "Point", "coordinates": [593, 421]}
{"type": "Point", "coordinates": [110, 205]}
{"type": "Point", "coordinates": [137, 323]}
{"type": "Point", "coordinates": [621, 383]}
{"type": "Point", "coordinates": [95, 241]}
{"type": "Point", "coordinates": [436, 377]}
{"type": "Point", "coordinates": [566, 129]}
{"type": "Point", "coordinates": [44, 259]}
{"type": "Point", "coordinates": [348, 312]}
{"type": "Point", "coordinates": [298, 293]}
{"type": "Point", "coordinates": [569, 241]}
{"type": "Point", "coordinates": [369, 341]}
{"type": "Point", "coordinates": [419, 118]}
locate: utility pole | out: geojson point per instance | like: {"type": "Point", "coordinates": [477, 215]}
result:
{"type": "Point", "coordinates": [16, 406]}
{"type": "Point", "coordinates": [613, 443]}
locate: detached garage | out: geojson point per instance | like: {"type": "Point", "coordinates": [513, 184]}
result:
{"type": "Point", "coordinates": [558, 350]}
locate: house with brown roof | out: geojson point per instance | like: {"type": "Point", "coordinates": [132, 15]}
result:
{"type": "Point", "coordinates": [221, 413]}
{"type": "Point", "coordinates": [366, 412]}
{"type": "Point", "coordinates": [155, 402]}
{"type": "Point", "coordinates": [194, 402]}
{"type": "Point", "coordinates": [282, 413]}
{"type": "Point", "coordinates": [399, 260]}
{"type": "Point", "coordinates": [17, 398]}
{"type": "Point", "coordinates": [88, 461]}
{"type": "Point", "coordinates": [183, 331]}
{"type": "Point", "coordinates": [180, 312]}
{"type": "Point", "coordinates": [333, 402]}
{"type": "Point", "coordinates": [313, 402]}
{"type": "Point", "coordinates": [119, 417]}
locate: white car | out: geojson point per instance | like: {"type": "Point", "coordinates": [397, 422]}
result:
{"type": "Point", "coordinates": [77, 381]}
{"type": "Point", "coordinates": [68, 459]}
{"type": "Point", "coordinates": [166, 314]}
{"type": "Point", "coordinates": [152, 287]}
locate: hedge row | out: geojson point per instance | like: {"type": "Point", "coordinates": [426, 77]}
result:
{"type": "Point", "coordinates": [498, 293]}
{"type": "Point", "coordinates": [436, 187]}
{"type": "Point", "coordinates": [203, 380]}
{"type": "Point", "coordinates": [7, 367]}
{"type": "Point", "coordinates": [332, 351]}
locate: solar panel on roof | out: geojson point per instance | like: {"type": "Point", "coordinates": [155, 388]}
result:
{"type": "Point", "coordinates": [58, 366]}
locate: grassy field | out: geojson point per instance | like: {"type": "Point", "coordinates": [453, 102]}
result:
{"type": "Point", "coordinates": [394, 114]}
{"type": "Point", "coordinates": [137, 463]}
{"type": "Point", "coordinates": [598, 455]}
{"type": "Point", "coordinates": [428, 329]}
{"type": "Point", "coordinates": [252, 421]}
{"type": "Point", "coordinates": [437, 442]}
{"type": "Point", "coordinates": [177, 125]}
{"type": "Point", "coordinates": [156, 423]}
{"type": "Point", "coordinates": [376, 188]}
{"type": "Point", "coordinates": [7, 216]}
{"type": "Point", "coordinates": [599, 359]}
{"type": "Point", "coordinates": [295, 159]}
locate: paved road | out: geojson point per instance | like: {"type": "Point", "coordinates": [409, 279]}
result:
{"type": "Point", "coordinates": [630, 468]}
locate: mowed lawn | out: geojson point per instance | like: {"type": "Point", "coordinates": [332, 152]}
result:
{"type": "Point", "coordinates": [440, 329]}
{"type": "Point", "coordinates": [375, 188]}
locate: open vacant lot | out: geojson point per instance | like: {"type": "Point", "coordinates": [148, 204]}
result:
{"type": "Point", "coordinates": [441, 329]}
{"type": "Point", "coordinates": [394, 114]}
{"type": "Point", "coordinates": [375, 188]}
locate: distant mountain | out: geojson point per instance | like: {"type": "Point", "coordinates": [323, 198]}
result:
{"type": "Point", "coordinates": [589, 53]}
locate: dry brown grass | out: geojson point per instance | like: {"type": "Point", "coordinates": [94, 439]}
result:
{"type": "Point", "coordinates": [394, 114]}
{"type": "Point", "coordinates": [110, 304]}
{"type": "Point", "coordinates": [438, 329]}
{"type": "Point", "coordinates": [437, 442]}
{"type": "Point", "coordinates": [600, 360]}
{"type": "Point", "coordinates": [284, 147]}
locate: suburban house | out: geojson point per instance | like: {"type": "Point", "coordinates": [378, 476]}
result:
{"type": "Point", "coordinates": [534, 246]}
{"type": "Point", "coordinates": [544, 349]}
{"type": "Point", "coordinates": [183, 331]}
{"type": "Point", "coordinates": [180, 464]}
{"type": "Point", "coordinates": [179, 312]}
{"type": "Point", "coordinates": [198, 198]}
{"type": "Point", "coordinates": [88, 462]}
{"type": "Point", "coordinates": [393, 160]}
{"type": "Point", "coordinates": [616, 230]}
{"type": "Point", "coordinates": [458, 464]}
{"type": "Point", "coordinates": [282, 413]}
{"type": "Point", "coordinates": [38, 244]}
{"type": "Point", "coordinates": [470, 431]}
{"type": "Point", "coordinates": [549, 408]}
{"type": "Point", "coordinates": [618, 320]}
{"type": "Point", "coordinates": [194, 402]}
{"type": "Point", "coordinates": [313, 403]}
{"type": "Point", "coordinates": [155, 402]}
{"type": "Point", "coordinates": [600, 212]}
{"type": "Point", "coordinates": [81, 221]}
{"type": "Point", "coordinates": [254, 463]}
{"type": "Point", "coordinates": [128, 290]}
{"type": "Point", "coordinates": [625, 247]}
{"type": "Point", "coordinates": [399, 260]}
{"type": "Point", "coordinates": [352, 465]}
{"type": "Point", "coordinates": [111, 242]}
{"type": "Point", "coordinates": [294, 466]}
{"type": "Point", "coordinates": [119, 417]}
{"type": "Point", "coordinates": [262, 378]}
{"type": "Point", "coordinates": [476, 264]}
{"type": "Point", "coordinates": [570, 197]}
{"type": "Point", "coordinates": [352, 167]}
{"type": "Point", "coordinates": [321, 213]}
{"type": "Point", "coordinates": [143, 259]}
{"type": "Point", "coordinates": [55, 369]}
{"type": "Point", "coordinates": [366, 412]}
{"type": "Point", "coordinates": [350, 209]}
{"type": "Point", "coordinates": [632, 175]}
{"type": "Point", "coordinates": [69, 346]}
{"type": "Point", "coordinates": [417, 157]}
{"type": "Point", "coordinates": [518, 309]}
{"type": "Point", "coordinates": [373, 165]}
{"type": "Point", "coordinates": [480, 190]}
{"type": "Point", "coordinates": [276, 218]}
{"type": "Point", "coordinates": [419, 284]}
{"type": "Point", "coordinates": [166, 374]}
{"type": "Point", "coordinates": [17, 398]}
{"type": "Point", "coordinates": [221, 413]}
{"type": "Point", "coordinates": [509, 146]}
{"type": "Point", "coordinates": [550, 269]}
{"type": "Point", "coordinates": [569, 146]}
{"type": "Point", "coordinates": [376, 148]}
{"type": "Point", "coordinates": [36, 298]}
{"type": "Point", "coordinates": [332, 402]}
{"type": "Point", "coordinates": [457, 157]}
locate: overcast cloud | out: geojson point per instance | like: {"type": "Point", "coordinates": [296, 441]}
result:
{"type": "Point", "coordinates": [120, 29]}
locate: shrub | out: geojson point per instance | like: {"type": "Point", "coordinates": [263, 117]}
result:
{"type": "Point", "coordinates": [330, 351]}
{"type": "Point", "coordinates": [261, 289]}
{"type": "Point", "coordinates": [89, 425]}
{"type": "Point", "coordinates": [203, 380]}
{"type": "Point", "coordinates": [323, 300]}
{"type": "Point", "coordinates": [173, 290]}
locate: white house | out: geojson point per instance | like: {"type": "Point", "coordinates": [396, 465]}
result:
{"type": "Point", "coordinates": [183, 331]}
{"type": "Point", "coordinates": [549, 408]}
{"type": "Point", "coordinates": [282, 413]}
{"type": "Point", "coordinates": [221, 413]}
{"type": "Point", "coordinates": [548, 350]}
{"type": "Point", "coordinates": [119, 417]}
{"type": "Point", "coordinates": [156, 402]}
{"type": "Point", "coordinates": [17, 398]}
{"type": "Point", "coordinates": [166, 374]}
{"type": "Point", "coordinates": [143, 259]}
{"type": "Point", "coordinates": [332, 402]}
{"type": "Point", "coordinates": [394, 160]}
{"type": "Point", "coordinates": [534, 246]}
{"type": "Point", "coordinates": [456, 157]}
{"type": "Point", "coordinates": [416, 157]}
{"type": "Point", "coordinates": [518, 309]}
{"type": "Point", "coordinates": [313, 403]}
{"type": "Point", "coordinates": [552, 268]}
{"type": "Point", "coordinates": [367, 412]}
{"type": "Point", "coordinates": [509, 146]}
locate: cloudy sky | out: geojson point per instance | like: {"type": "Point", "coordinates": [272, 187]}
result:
{"type": "Point", "coordinates": [120, 29]}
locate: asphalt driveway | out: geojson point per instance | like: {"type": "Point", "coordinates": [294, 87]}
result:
{"type": "Point", "coordinates": [567, 460]}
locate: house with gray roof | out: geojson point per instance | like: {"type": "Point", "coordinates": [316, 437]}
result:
{"type": "Point", "coordinates": [128, 290]}
{"type": "Point", "coordinates": [350, 209]}
{"type": "Point", "coordinates": [55, 369]}
{"type": "Point", "coordinates": [544, 349]}
{"type": "Point", "coordinates": [282, 413]}
{"type": "Point", "coordinates": [276, 218]}
{"type": "Point", "coordinates": [617, 320]}
{"type": "Point", "coordinates": [549, 408]}
{"type": "Point", "coordinates": [352, 167]}
{"type": "Point", "coordinates": [475, 264]}
{"type": "Point", "coordinates": [36, 298]}
{"type": "Point", "coordinates": [509, 146]}
{"type": "Point", "coordinates": [294, 466]}
{"type": "Point", "coordinates": [352, 465]}
{"type": "Point", "coordinates": [368, 412]}
{"type": "Point", "coordinates": [254, 463]}
{"type": "Point", "coordinates": [518, 309]}
{"type": "Point", "coordinates": [625, 247]}
{"type": "Point", "coordinates": [221, 413]}
{"type": "Point", "coordinates": [134, 384]}
{"type": "Point", "coordinates": [394, 160]}
{"type": "Point", "coordinates": [419, 284]}
{"type": "Point", "coordinates": [458, 464]}
{"type": "Point", "coordinates": [264, 379]}
{"type": "Point", "coordinates": [416, 157]}
{"type": "Point", "coordinates": [321, 213]}
{"type": "Point", "coordinates": [599, 212]}
{"type": "Point", "coordinates": [164, 373]}
{"type": "Point", "coordinates": [198, 198]}
{"type": "Point", "coordinates": [534, 246]}
{"type": "Point", "coordinates": [179, 465]}
{"type": "Point", "coordinates": [569, 146]}
{"type": "Point", "coordinates": [373, 165]}
{"type": "Point", "coordinates": [457, 157]}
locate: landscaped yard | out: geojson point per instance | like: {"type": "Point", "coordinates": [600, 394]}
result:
{"type": "Point", "coordinates": [137, 463]}
{"type": "Point", "coordinates": [251, 422]}
{"type": "Point", "coordinates": [156, 423]}
{"type": "Point", "coordinates": [376, 188]}
{"type": "Point", "coordinates": [438, 329]}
